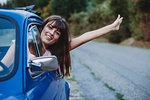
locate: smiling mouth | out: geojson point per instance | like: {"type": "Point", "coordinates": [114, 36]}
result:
{"type": "Point", "coordinates": [50, 38]}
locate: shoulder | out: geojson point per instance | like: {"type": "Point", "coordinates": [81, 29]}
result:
{"type": "Point", "coordinates": [47, 53]}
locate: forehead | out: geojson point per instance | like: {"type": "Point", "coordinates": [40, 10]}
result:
{"type": "Point", "coordinates": [58, 24]}
{"type": "Point", "coordinates": [51, 23]}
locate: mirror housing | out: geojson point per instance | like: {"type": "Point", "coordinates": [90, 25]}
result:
{"type": "Point", "coordinates": [43, 64]}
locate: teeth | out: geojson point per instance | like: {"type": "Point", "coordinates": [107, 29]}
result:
{"type": "Point", "coordinates": [49, 37]}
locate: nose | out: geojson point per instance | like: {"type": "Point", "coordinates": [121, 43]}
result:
{"type": "Point", "coordinates": [52, 32]}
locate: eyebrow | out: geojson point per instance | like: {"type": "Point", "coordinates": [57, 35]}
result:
{"type": "Point", "coordinates": [53, 26]}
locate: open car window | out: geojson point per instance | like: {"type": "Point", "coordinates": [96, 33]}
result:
{"type": "Point", "coordinates": [35, 45]}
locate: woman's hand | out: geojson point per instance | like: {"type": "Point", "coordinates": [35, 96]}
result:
{"type": "Point", "coordinates": [116, 23]}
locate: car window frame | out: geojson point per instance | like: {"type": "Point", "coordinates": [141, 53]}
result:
{"type": "Point", "coordinates": [17, 51]}
{"type": "Point", "coordinates": [40, 73]}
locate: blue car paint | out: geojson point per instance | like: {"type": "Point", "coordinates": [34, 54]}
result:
{"type": "Point", "coordinates": [21, 86]}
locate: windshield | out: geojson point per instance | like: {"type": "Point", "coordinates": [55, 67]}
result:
{"type": "Point", "coordinates": [7, 47]}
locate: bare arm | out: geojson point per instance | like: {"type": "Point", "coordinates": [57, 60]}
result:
{"type": "Point", "coordinates": [88, 36]}
{"type": "Point", "coordinates": [9, 57]}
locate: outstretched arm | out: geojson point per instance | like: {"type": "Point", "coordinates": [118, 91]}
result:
{"type": "Point", "coordinates": [96, 33]}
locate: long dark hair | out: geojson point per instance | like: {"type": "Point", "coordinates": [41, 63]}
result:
{"type": "Point", "coordinates": [62, 47]}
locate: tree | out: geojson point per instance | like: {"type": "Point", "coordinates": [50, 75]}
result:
{"type": "Point", "coordinates": [66, 7]}
{"type": "Point", "coordinates": [97, 2]}
{"type": "Point", "coordinates": [143, 7]}
{"type": "Point", "coordinates": [122, 7]}
{"type": "Point", "coordinates": [41, 3]}
{"type": "Point", "coordinates": [22, 3]}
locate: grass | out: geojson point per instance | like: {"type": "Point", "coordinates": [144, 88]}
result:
{"type": "Point", "coordinates": [93, 73]}
{"type": "Point", "coordinates": [97, 78]}
{"type": "Point", "coordinates": [88, 67]}
{"type": "Point", "coordinates": [109, 87]}
{"type": "Point", "coordinates": [120, 96]}
{"type": "Point", "coordinates": [70, 79]}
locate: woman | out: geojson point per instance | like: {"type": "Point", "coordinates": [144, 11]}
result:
{"type": "Point", "coordinates": [56, 38]}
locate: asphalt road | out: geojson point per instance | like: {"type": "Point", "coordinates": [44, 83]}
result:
{"type": "Point", "coordinates": [111, 72]}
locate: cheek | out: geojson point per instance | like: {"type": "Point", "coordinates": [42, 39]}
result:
{"type": "Point", "coordinates": [57, 37]}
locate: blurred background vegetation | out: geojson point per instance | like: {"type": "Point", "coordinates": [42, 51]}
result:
{"type": "Point", "coordinates": [85, 15]}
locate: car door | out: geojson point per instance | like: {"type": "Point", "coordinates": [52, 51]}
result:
{"type": "Point", "coordinates": [39, 85]}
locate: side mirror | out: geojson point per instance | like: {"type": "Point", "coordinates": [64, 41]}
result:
{"type": "Point", "coordinates": [43, 64]}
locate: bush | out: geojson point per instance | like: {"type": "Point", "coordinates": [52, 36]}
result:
{"type": "Point", "coordinates": [122, 7]}
{"type": "Point", "coordinates": [78, 23]}
{"type": "Point", "coordinates": [140, 16]}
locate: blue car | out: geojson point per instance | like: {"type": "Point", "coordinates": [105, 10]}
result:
{"type": "Point", "coordinates": [23, 77]}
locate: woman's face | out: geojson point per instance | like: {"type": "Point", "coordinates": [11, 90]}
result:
{"type": "Point", "coordinates": [50, 34]}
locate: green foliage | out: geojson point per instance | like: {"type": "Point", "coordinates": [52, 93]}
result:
{"type": "Point", "coordinates": [78, 22]}
{"type": "Point", "coordinates": [144, 6]}
{"type": "Point", "coordinates": [86, 15]}
{"type": "Point", "coordinates": [140, 16]}
{"type": "Point", "coordinates": [22, 3]}
{"type": "Point", "coordinates": [121, 7]}
{"type": "Point", "coordinates": [134, 25]}
{"type": "Point", "coordinates": [114, 37]}
{"type": "Point", "coordinates": [97, 2]}
{"type": "Point", "coordinates": [93, 18]}
{"type": "Point", "coordinates": [143, 9]}
{"type": "Point", "coordinates": [66, 7]}
{"type": "Point", "coordinates": [9, 4]}
{"type": "Point", "coordinates": [99, 16]}
{"type": "Point", "coordinates": [41, 3]}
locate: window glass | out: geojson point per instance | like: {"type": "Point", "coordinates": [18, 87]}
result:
{"type": "Point", "coordinates": [35, 43]}
{"type": "Point", "coordinates": [7, 46]}
{"type": "Point", "coordinates": [35, 46]}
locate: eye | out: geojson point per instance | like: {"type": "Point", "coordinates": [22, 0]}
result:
{"type": "Point", "coordinates": [57, 32]}
{"type": "Point", "coordinates": [50, 27]}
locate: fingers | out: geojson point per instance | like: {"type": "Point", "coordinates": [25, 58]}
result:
{"type": "Point", "coordinates": [118, 16]}
{"type": "Point", "coordinates": [120, 20]}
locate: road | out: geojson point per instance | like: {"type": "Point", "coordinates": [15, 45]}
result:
{"type": "Point", "coordinates": [112, 72]}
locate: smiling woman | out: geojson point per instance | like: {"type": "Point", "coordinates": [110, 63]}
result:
{"type": "Point", "coordinates": [56, 38]}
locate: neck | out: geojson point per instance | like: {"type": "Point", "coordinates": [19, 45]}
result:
{"type": "Point", "coordinates": [45, 45]}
